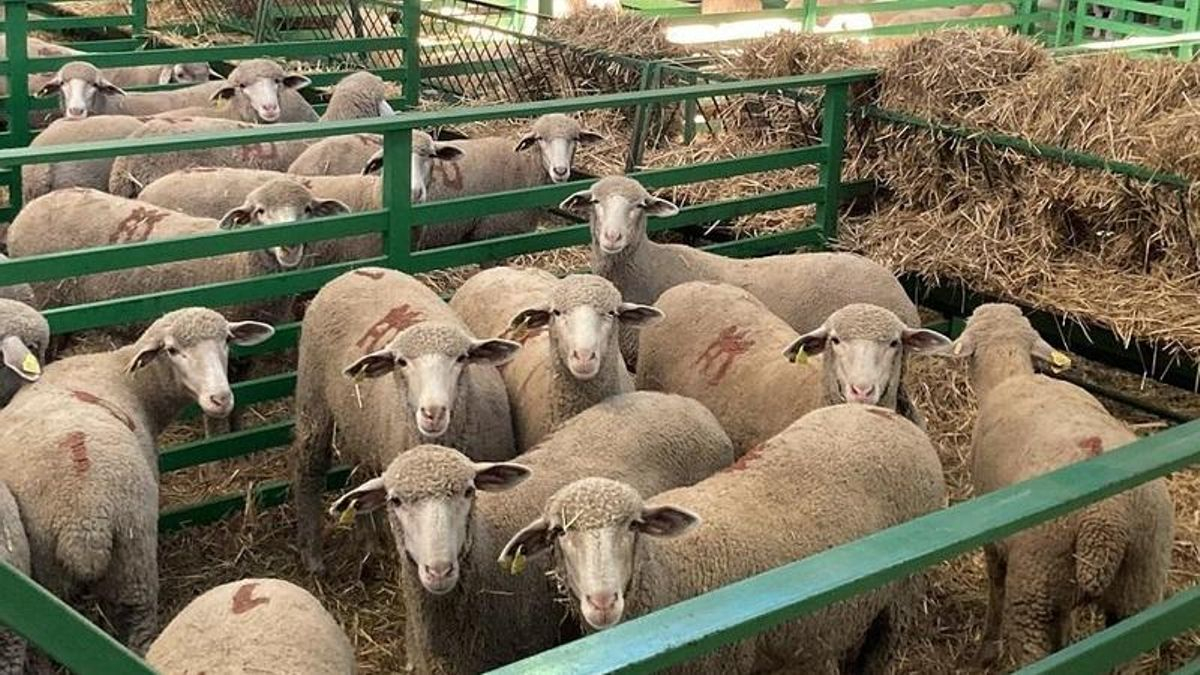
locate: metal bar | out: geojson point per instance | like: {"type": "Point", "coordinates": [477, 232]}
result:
{"type": "Point", "coordinates": [397, 198]}
{"type": "Point", "coordinates": [734, 612]}
{"type": "Point", "coordinates": [229, 446]}
{"type": "Point", "coordinates": [269, 388]}
{"type": "Point", "coordinates": [412, 52]}
{"type": "Point", "coordinates": [140, 16]}
{"type": "Point", "coordinates": [264, 495]}
{"type": "Point", "coordinates": [833, 136]}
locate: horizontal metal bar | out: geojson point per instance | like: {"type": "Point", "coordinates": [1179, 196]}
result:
{"type": "Point", "coordinates": [265, 495]}
{"type": "Point", "coordinates": [229, 446]}
{"type": "Point", "coordinates": [770, 243]}
{"type": "Point", "coordinates": [269, 388]}
{"type": "Point", "coordinates": [747, 607]}
{"type": "Point", "coordinates": [286, 337]}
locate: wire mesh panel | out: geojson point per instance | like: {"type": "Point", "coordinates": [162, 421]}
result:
{"type": "Point", "coordinates": [1090, 20]}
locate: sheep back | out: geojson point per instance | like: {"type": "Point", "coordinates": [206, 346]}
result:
{"type": "Point", "coordinates": [337, 155]}
{"type": "Point", "coordinates": [39, 179]}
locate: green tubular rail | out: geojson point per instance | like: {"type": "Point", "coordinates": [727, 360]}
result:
{"type": "Point", "coordinates": [742, 609]}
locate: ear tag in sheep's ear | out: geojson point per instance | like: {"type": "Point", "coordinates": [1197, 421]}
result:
{"type": "Point", "coordinates": [516, 564]}
{"type": "Point", "coordinates": [348, 515]}
{"type": "Point", "coordinates": [222, 103]}
{"type": "Point", "coordinates": [958, 347]}
{"type": "Point", "coordinates": [358, 378]}
{"type": "Point", "coordinates": [30, 365]}
{"type": "Point", "coordinates": [1059, 361]}
{"type": "Point", "coordinates": [801, 358]}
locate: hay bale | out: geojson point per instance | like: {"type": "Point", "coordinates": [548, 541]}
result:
{"type": "Point", "coordinates": [625, 33]}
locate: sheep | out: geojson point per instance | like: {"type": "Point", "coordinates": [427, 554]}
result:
{"type": "Point", "coordinates": [14, 550]}
{"type": "Point", "coordinates": [1115, 553]}
{"type": "Point", "coordinates": [802, 289]}
{"type": "Point", "coordinates": [78, 451]}
{"type": "Point", "coordinates": [80, 218]}
{"type": "Point", "coordinates": [569, 360]}
{"type": "Point", "coordinates": [239, 627]}
{"type": "Point", "coordinates": [123, 76]}
{"type": "Point", "coordinates": [19, 292]}
{"type": "Point", "coordinates": [40, 179]}
{"type": "Point", "coordinates": [720, 345]}
{"type": "Point", "coordinates": [258, 90]}
{"type": "Point", "coordinates": [374, 322]}
{"type": "Point", "coordinates": [835, 475]}
{"type": "Point", "coordinates": [341, 156]}
{"type": "Point", "coordinates": [462, 613]}
{"type": "Point", "coordinates": [358, 96]}
{"type": "Point", "coordinates": [24, 337]}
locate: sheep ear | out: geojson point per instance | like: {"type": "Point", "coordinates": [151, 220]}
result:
{"type": "Point", "coordinates": [498, 477]}
{"type": "Point", "coordinates": [249, 333]}
{"type": "Point", "coordinates": [923, 340]}
{"type": "Point", "coordinates": [19, 359]}
{"type": "Point", "coordinates": [365, 498]}
{"type": "Point", "coordinates": [144, 357]}
{"type": "Point", "coordinates": [534, 318]}
{"type": "Point", "coordinates": [446, 153]}
{"type": "Point", "coordinates": [638, 316]}
{"type": "Point", "coordinates": [109, 88]}
{"type": "Point", "coordinates": [375, 364]}
{"type": "Point", "coordinates": [589, 137]}
{"type": "Point", "coordinates": [324, 208]}
{"type": "Point", "coordinates": [225, 93]}
{"type": "Point", "coordinates": [494, 352]}
{"type": "Point", "coordinates": [374, 164]}
{"type": "Point", "coordinates": [577, 201]}
{"type": "Point", "coordinates": [534, 539]}
{"type": "Point", "coordinates": [961, 348]}
{"type": "Point", "coordinates": [236, 218]}
{"type": "Point", "coordinates": [1043, 352]}
{"type": "Point", "coordinates": [665, 521]}
{"type": "Point", "coordinates": [296, 82]}
{"type": "Point", "coordinates": [811, 344]}
{"type": "Point", "coordinates": [658, 207]}
{"type": "Point", "coordinates": [527, 142]}
{"type": "Point", "coordinates": [385, 109]}
{"type": "Point", "coordinates": [166, 75]}
{"type": "Point", "coordinates": [50, 88]}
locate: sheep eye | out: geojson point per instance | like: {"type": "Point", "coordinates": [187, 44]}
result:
{"type": "Point", "coordinates": [835, 340]}
{"type": "Point", "coordinates": [894, 344]}
{"type": "Point", "coordinates": [394, 501]}
{"type": "Point", "coordinates": [258, 212]}
{"type": "Point", "coordinates": [401, 363]}
{"type": "Point", "coordinates": [462, 358]}
{"type": "Point", "coordinates": [470, 491]}
{"type": "Point", "coordinates": [171, 351]}
{"type": "Point", "coordinates": [556, 312]}
{"type": "Point", "coordinates": [308, 210]}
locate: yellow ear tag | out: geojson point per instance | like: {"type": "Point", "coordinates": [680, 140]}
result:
{"type": "Point", "coordinates": [348, 515]}
{"type": "Point", "coordinates": [958, 347]}
{"type": "Point", "coordinates": [222, 103]}
{"type": "Point", "coordinates": [30, 365]}
{"type": "Point", "coordinates": [516, 564]}
{"type": "Point", "coordinates": [1059, 361]}
{"type": "Point", "coordinates": [801, 358]}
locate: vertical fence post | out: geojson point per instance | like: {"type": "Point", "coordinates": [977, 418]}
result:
{"type": "Point", "coordinates": [1028, 8]}
{"type": "Point", "coordinates": [1081, 13]}
{"type": "Point", "coordinates": [397, 197]}
{"type": "Point", "coordinates": [641, 118]}
{"type": "Point", "coordinates": [16, 25]}
{"type": "Point", "coordinates": [833, 136]}
{"type": "Point", "coordinates": [810, 15]}
{"type": "Point", "coordinates": [412, 53]}
{"type": "Point", "coordinates": [1191, 23]}
{"type": "Point", "coordinates": [140, 14]}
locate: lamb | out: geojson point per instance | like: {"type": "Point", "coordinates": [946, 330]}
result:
{"type": "Point", "coordinates": [78, 451]}
{"type": "Point", "coordinates": [24, 336]}
{"type": "Point", "coordinates": [1115, 553]}
{"type": "Point", "coordinates": [462, 613]}
{"type": "Point", "coordinates": [14, 550]}
{"type": "Point", "coordinates": [19, 292]}
{"type": "Point", "coordinates": [723, 347]}
{"type": "Point", "coordinates": [40, 179]}
{"type": "Point", "coordinates": [835, 475]}
{"type": "Point", "coordinates": [258, 90]}
{"type": "Point", "coordinates": [569, 360]}
{"type": "Point", "coordinates": [374, 322]}
{"type": "Point", "coordinates": [359, 95]}
{"type": "Point", "coordinates": [80, 218]}
{"type": "Point", "coordinates": [236, 628]}
{"type": "Point", "coordinates": [802, 289]}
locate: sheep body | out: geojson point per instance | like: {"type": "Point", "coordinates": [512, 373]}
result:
{"type": "Point", "coordinates": [40, 179]}
{"type": "Point", "coordinates": [239, 627]}
{"type": "Point", "coordinates": [14, 550]}
{"type": "Point", "coordinates": [359, 95]}
{"type": "Point", "coordinates": [337, 155]}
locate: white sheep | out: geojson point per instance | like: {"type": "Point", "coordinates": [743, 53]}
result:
{"type": "Point", "coordinates": [78, 451]}
{"type": "Point", "coordinates": [14, 550]}
{"type": "Point", "coordinates": [720, 345]}
{"type": "Point", "coordinates": [79, 218]}
{"type": "Point", "coordinates": [24, 337]}
{"type": "Point", "coordinates": [570, 359]}
{"type": "Point", "coordinates": [359, 95]}
{"type": "Point", "coordinates": [1115, 553]}
{"type": "Point", "coordinates": [40, 179]}
{"type": "Point", "coordinates": [462, 613]}
{"type": "Point", "coordinates": [802, 289]}
{"type": "Point", "coordinates": [384, 360]}
{"type": "Point", "coordinates": [253, 625]}
{"type": "Point", "coordinates": [835, 475]}
{"type": "Point", "coordinates": [258, 90]}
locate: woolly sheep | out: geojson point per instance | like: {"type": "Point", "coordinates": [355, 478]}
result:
{"type": "Point", "coordinates": [463, 614]}
{"type": "Point", "coordinates": [19, 292]}
{"type": "Point", "coordinates": [720, 345]}
{"type": "Point", "coordinates": [14, 550]}
{"type": "Point", "coordinates": [40, 179]}
{"type": "Point", "coordinates": [1115, 553]}
{"type": "Point", "coordinates": [569, 360]}
{"type": "Point", "coordinates": [342, 156]}
{"type": "Point", "coordinates": [258, 90]}
{"type": "Point", "coordinates": [238, 628]}
{"type": "Point", "coordinates": [24, 336]}
{"type": "Point", "coordinates": [123, 76]}
{"type": "Point", "coordinates": [78, 451]}
{"type": "Point", "coordinates": [375, 322]}
{"type": "Point", "coordinates": [802, 289]}
{"type": "Point", "coordinates": [80, 218]}
{"type": "Point", "coordinates": [835, 475]}
{"type": "Point", "coordinates": [359, 95]}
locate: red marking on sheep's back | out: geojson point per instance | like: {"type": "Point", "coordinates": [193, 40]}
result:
{"type": "Point", "coordinates": [1092, 444]}
{"type": "Point", "coordinates": [373, 275]}
{"type": "Point", "coordinates": [244, 600]}
{"type": "Point", "coordinates": [112, 408]}
{"type": "Point", "coordinates": [383, 330]}
{"type": "Point", "coordinates": [137, 226]}
{"type": "Point", "coordinates": [745, 460]}
{"type": "Point", "coordinates": [448, 172]}
{"type": "Point", "coordinates": [720, 354]}
{"type": "Point", "coordinates": [75, 444]}
{"type": "Point", "coordinates": [257, 152]}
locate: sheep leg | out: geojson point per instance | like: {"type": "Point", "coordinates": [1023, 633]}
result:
{"type": "Point", "coordinates": [997, 570]}
{"type": "Point", "coordinates": [1032, 621]}
{"type": "Point", "coordinates": [128, 594]}
{"type": "Point", "coordinates": [12, 654]}
{"type": "Point", "coordinates": [314, 435]}
{"type": "Point", "coordinates": [877, 645]}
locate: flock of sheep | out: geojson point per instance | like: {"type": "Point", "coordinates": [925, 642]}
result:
{"type": "Point", "coordinates": [668, 424]}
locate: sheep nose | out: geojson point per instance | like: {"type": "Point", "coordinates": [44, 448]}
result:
{"type": "Point", "coordinates": [861, 393]}
{"type": "Point", "coordinates": [602, 601]}
{"type": "Point", "coordinates": [439, 571]}
{"type": "Point", "coordinates": [583, 355]}
{"type": "Point", "coordinates": [76, 112]}
{"type": "Point", "coordinates": [270, 107]}
{"type": "Point", "coordinates": [611, 237]}
{"type": "Point", "coordinates": [222, 401]}
{"type": "Point", "coordinates": [561, 171]}
{"type": "Point", "coordinates": [433, 413]}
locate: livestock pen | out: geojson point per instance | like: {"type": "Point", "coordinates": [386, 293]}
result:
{"type": "Point", "coordinates": [654, 641]}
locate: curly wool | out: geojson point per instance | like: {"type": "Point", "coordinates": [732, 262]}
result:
{"type": "Point", "coordinates": [594, 503]}
{"type": "Point", "coordinates": [356, 96]}
{"type": "Point", "coordinates": [18, 318]}
{"type": "Point", "coordinates": [431, 337]}
{"type": "Point", "coordinates": [576, 290]}
{"type": "Point", "coordinates": [282, 192]}
{"type": "Point", "coordinates": [556, 125]}
{"type": "Point", "coordinates": [189, 326]}
{"type": "Point", "coordinates": [428, 471]}
{"type": "Point", "coordinates": [865, 322]}
{"type": "Point", "coordinates": [999, 323]}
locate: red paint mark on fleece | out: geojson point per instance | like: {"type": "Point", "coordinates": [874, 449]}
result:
{"type": "Point", "coordinates": [244, 600]}
{"type": "Point", "coordinates": [720, 354]}
{"type": "Point", "coordinates": [373, 275]}
{"type": "Point", "coordinates": [75, 443]}
{"type": "Point", "coordinates": [745, 460]}
{"type": "Point", "coordinates": [137, 226]}
{"type": "Point", "coordinates": [396, 320]}
{"type": "Point", "coordinates": [1093, 445]}
{"type": "Point", "coordinates": [112, 408]}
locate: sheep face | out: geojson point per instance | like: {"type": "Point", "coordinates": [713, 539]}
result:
{"type": "Point", "coordinates": [429, 360]}
{"type": "Point", "coordinates": [593, 526]}
{"type": "Point", "coordinates": [618, 208]}
{"type": "Point", "coordinates": [185, 73]}
{"type": "Point", "coordinates": [260, 81]}
{"type": "Point", "coordinates": [557, 137]}
{"type": "Point", "coordinates": [425, 151]}
{"type": "Point", "coordinates": [194, 344]}
{"type": "Point", "coordinates": [429, 494]}
{"type": "Point", "coordinates": [79, 84]}
{"type": "Point", "coordinates": [282, 201]}
{"type": "Point", "coordinates": [864, 348]}
{"type": "Point", "coordinates": [24, 335]}
{"type": "Point", "coordinates": [582, 316]}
